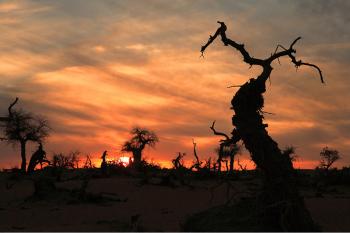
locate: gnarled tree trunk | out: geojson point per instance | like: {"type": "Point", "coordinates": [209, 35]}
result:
{"type": "Point", "coordinates": [137, 155]}
{"type": "Point", "coordinates": [280, 200]}
{"type": "Point", "coordinates": [280, 203]}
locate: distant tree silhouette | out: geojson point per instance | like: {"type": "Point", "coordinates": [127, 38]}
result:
{"type": "Point", "coordinates": [289, 151]}
{"type": "Point", "coordinates": [178, 162]}
{"type": "Point", "coordinates": [38, 157]}
{"type": "Point", "coordinates": [22, 127]}
{"type": "Point", "coordinates": [227, 148]}
{"type": "Point", "coordinates": [208, 163]}
{"type": "Point", "coordinates": [141, 138]}
{"type": "Point", "coordinates": [280, 200]}
{"type": "Point", "coordinates": [61, 160]}
{"type": "Point", "coordinates": [88, 164]}
{"type": "Point", "coordinates": [104, 162]}
{"type": "Point", "coordinates": [328, 157]}
{"type": "Point", "coordinates": [219, 160]}
{"type": "Point", "coordinates": [230, 152]}
{"type": "Point", "coordinates": [197, 163]}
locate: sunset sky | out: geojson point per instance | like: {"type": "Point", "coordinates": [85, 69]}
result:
{"type": "Point", "coordinates": [96, 68]}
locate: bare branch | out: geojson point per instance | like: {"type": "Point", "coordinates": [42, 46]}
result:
{"type": "Point", "coordinates": [195, 152]}
{"type": "Point", "coordinates": [11, 106]}
{"type": "Point", "coordinates": [290, 52]}
{"type": "Point", "coordinates": [300, 63]}
{"type": "Point", "coordinates": [254, 61]}
{"type": "Point", "coordinates": [219, 133]}
{"type": "Point", "coordinates": [240, 47]}
{"type": "Point", "coordinates": [240, 165]}
{"type": "Point", "coordinates": [10, 111]}
{"type": "Point", "coordinates": [234, 86]}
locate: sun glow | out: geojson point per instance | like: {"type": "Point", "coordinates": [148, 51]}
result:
{"type": "Point", "coordinates": [124, 160]}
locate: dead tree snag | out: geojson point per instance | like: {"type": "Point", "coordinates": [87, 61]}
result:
{"type": "Point", "coordinates": [280, 201]}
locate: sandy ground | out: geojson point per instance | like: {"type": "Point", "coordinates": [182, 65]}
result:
{"type": "Point", "coordinates": [160, 208]}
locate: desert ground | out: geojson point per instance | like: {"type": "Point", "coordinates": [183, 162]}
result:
{"type": "Point", "coordinates": [130, 203]}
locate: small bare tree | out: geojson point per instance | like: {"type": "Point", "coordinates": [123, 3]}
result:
{"type": "Point", "coordinates": [66, 161]}
{"type": "Point", "coordinates": [328, 157]}
{"type": "Point", "coordinates": [88, 163]}
{"type": "Point", "coordinates": [178, 162]}
{"type": "Point", "coordinates": [226, 149]}
{"type": "Point", "coordinates": [140, 139]}
{"type": "Point", "coordinates": [197, 163]}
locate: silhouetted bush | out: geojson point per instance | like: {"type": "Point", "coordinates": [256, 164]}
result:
{"type": "Point", "coordinates": [333, 176]}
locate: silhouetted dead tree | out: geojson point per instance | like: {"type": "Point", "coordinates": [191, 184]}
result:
{"type": "Point", "coordinates": [197, 163]}
{"type": "Point", "coordinates": [280, 200]}
{"type": "Point", "coordinates": [88, 164]}
{"type": "Point", "coordinates": [178, 161]}
{"type": "Point", "coordinates": [226, 149]}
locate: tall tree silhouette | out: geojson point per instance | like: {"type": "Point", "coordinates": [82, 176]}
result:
{"type": "Point", "coordinates": [140, 139]}
{"type": "Point", "coordinates": [22, 127]}
{"type": "Point", "coordinates": [280, 200]}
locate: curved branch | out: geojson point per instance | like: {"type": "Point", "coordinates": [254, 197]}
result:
{"type": "Point", "coordinates": [11, 106]}
{"type": "Point", "coordinates": [290, 52]}
{"type": "Point", "coordinates": [219, 133]}
{"type": "Point", "coordinates": [300, 63]}
{"type": "Point", "coordinates": [240, 47]}
{"type": "Point", "coordinates": [10, 111]}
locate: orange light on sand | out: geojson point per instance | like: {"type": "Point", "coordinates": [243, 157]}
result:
{"type": "Point", "coordinates": [124, 160]}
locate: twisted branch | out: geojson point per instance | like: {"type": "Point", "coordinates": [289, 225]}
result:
{"type": "Point", "coordinates": [290, 52]}
{"type": "Point", "coordinates": [227, 138]}
{"type": "Point", "coordinates": [10, 111]}
{"type": "Point", "coordinates": [240, 47]}
{"type": "Point", "coordinates": [265, 63]}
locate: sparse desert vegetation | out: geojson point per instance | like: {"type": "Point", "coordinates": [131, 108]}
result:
{"type": "Point", "coordinates": [127, 85]}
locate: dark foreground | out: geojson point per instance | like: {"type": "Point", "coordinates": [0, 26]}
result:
{"type": "Point", "coordinates": [134, 202]}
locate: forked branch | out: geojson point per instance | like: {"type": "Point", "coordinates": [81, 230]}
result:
{"type": "Point", "coordinates": [227, 138]}
{"type": "Point", "coordinates": [265, 63]}
{"type": "Point", "coordinates": [240, 47]}
{"type": "Point", "coordinates": [290, 52]}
